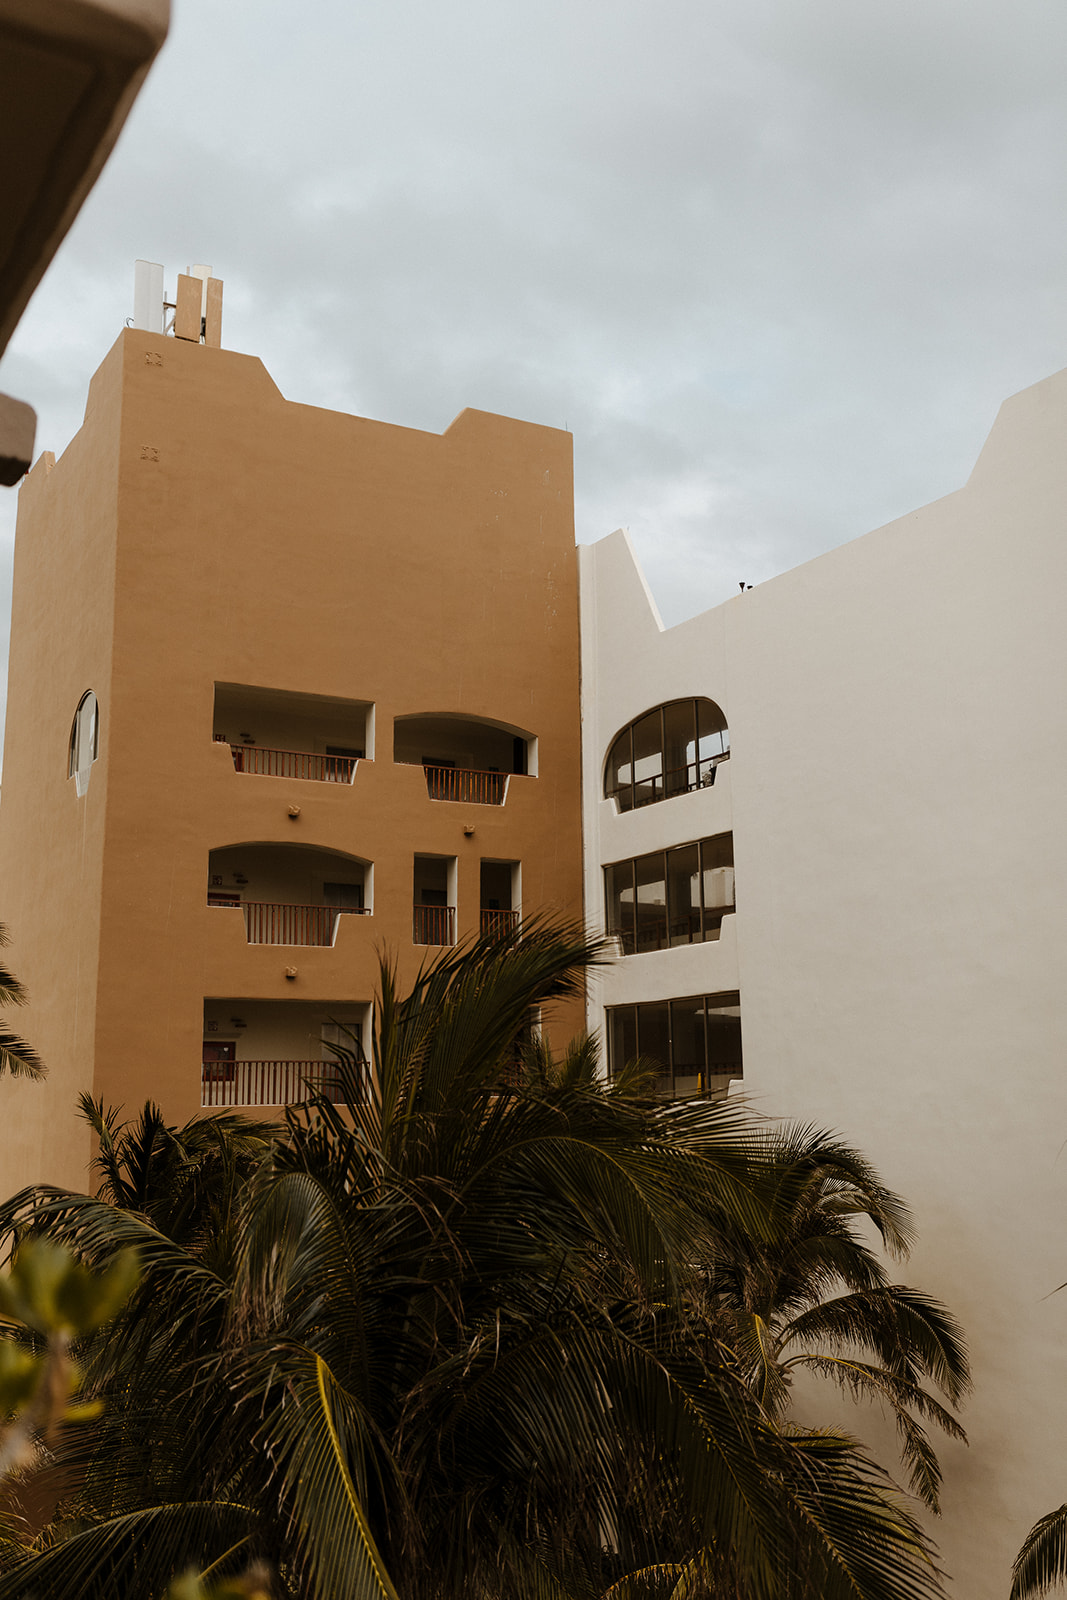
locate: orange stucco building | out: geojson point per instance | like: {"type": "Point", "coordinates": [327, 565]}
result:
{"type": "Point", "coordinates": [288, 688]}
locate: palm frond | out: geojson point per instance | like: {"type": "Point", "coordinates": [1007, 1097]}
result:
{"type": "Point", "coordinates": [1042, 1562]}
{"type": "Point", "coordinates": [18, 1057]}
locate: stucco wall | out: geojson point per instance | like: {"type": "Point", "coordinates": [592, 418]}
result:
{"type": "Point", "coordinates": [897, 785]}
{"type": "Point", "coordinates": [241, 539]}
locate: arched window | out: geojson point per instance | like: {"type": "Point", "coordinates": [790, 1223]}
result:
{"type": "Point", "coordinates": [84, 741]}
{"type": "Point", "coordinates": [671, 750]}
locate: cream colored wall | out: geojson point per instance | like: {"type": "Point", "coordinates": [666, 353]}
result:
{"type": "Point", "coordinates": [629, 665]}
{"type": "Point", "coordinates": [898, 776]}
{"type": "Point", "coordinates": [279, 1031]}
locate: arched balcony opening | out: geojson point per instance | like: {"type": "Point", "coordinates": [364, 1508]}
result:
{"type": "Point", "coordinates": [670, 750]}
{"type": "Point", "coordinates": [289, 894]}
{"type": "Point", "coordinates": [466, 759]}
{"type": "Point", "coordinates": [273, 733]}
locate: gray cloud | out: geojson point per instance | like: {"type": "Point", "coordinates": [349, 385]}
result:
{"type": "Point", "coordinates": [774, 264]}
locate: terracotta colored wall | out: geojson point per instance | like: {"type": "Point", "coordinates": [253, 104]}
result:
{"type": "Point", "coordinates": [52, 845]}
{"type": "Point", "coordinates": [276, 545]}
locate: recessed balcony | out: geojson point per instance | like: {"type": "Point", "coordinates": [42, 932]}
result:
{"type": "Point", "coordinates": [266, 1083]}
{"type": "Point", "coordinates": [465, 760]}
{"type": "Point", "coordinates": [674, 749]}
{"type": "Point", "coordinates": [501, 896]}
{"type": "Point", "coordinates": [333, 766]}
{"type": "Point", "coordinates": [275, 734]}
{"type": "Point", "coordinates": [277, 1053]}
{"type": "Point", "coordinates": [463, 783]}
{"type": "Point", "coordinates": [289, 894]}
{"type": "Point", "coordinates": [433, 925]}
{"type": "Point", "coordinates": [433, 919]}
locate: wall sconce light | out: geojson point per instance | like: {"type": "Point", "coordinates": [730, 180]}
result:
{"type": "Point", "coordinates": [290, 973]}
{"type": "Point", "coordinates": [468, 830]}
{"type": "Point", "coordinates": [294, 812]}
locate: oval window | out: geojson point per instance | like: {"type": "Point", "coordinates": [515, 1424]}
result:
{"type": "Point", "coordinates": [84, 741]}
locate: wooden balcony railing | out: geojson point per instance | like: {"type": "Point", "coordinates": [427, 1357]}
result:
{"type": "Point", "coordinates": [474, 788]}
{"type": "Point", "coordinates": [266, 1083]}
{"type": "Point", "coordinates": [267, 923]}
{"type": "Point", "coordinates": [495, 923]}
{"type": "Point", "coordinates": [434, 925]}
{"type": "Point", "coordinates": [293, 764]}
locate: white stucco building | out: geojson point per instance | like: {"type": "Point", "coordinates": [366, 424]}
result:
{"type": "Point", "coordinates": [897, 797]}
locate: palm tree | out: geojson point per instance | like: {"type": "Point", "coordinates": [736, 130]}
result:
{"type": "Point", "coordinates": [814, 1296]}
{"type": "Point", "coordinates": [16, 1056]}
{"type": "Point", "coordinates": [458, 1336]}
{"type": "Point", "coordinates": [1042, 1562]}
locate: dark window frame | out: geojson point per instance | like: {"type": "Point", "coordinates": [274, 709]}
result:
{"type": "Point", "coordinates": [713, 1005]}
{"type": "Point", "coordinates": [638, 938]}
{"type": "Point", "coordinates": [677, 779]}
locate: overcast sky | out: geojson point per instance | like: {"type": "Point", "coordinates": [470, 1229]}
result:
{"type": "Point", "coordinates": [775, 263]}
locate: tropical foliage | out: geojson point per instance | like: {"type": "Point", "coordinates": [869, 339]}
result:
{"type": "Point", "coordinates": [779, 1295]}
{"type": "Point", "coordinates": [482, 1334]}
{"type": "Point", "coordinates": [48, 1299]}
{"type": "Point", "coordinates": [16, 1056]}
{"type": "Point", "coordinates": [1042, 1562]}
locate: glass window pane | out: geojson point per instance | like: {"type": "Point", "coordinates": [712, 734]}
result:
{"type": "Point", "coordinates": [687, 1044]}
{"type": "Point", "coordinates": [712, 733]}
{"type": "Point", "coordinates": [718, 851]}
{"type": "Point", "coordinates": [724, 1037]}
{"type": "Point", "coordinates": [619, 774]}
{"type": "Point", "coordinates": [683, 890]}
{"type": "Point", "coordinates": [651, 902]}
{"type": "Point", "coordinates": [619, 903]}
{"type": "Point", "coordinates": [717, 857]}
{"type": "Point", "coordinates": [648, 759]}
{"type": "Point", "coordinates": [654, 1038]}
{"type": "Point", "coordinates": [679, 739]}
{"type": "Point", "coordinates": [622, 1037]}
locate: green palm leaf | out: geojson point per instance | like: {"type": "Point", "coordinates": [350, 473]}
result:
{"type": "Point", "coordinates": [1042, 1562]}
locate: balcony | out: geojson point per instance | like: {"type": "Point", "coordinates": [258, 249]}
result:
{"type": "Point", "coordinates": [273, 923]}
{"type": "Point", "coordinates": [303, 764]}
{"type": "Point", "coordinates": [433, 925]}
{"type": "Point", "coordinates": [496, 924]}
{"type": "Point", "coordinates": [278, 1052]}
{"type": "Point", "coordinates": [266, 1083]}
{"type": "Point", "coordinates": [289, 894]}
{"type": "Point", "coordinates": [273, 733]}
{"type": "Point", "coordinates": [677, 780]}
{"type": "Point", "coordinates": [462, 783]}
{"type": "Point", "coordinates": [465, 760]}
{"type": "Point", "coordinates": [674, 749]}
